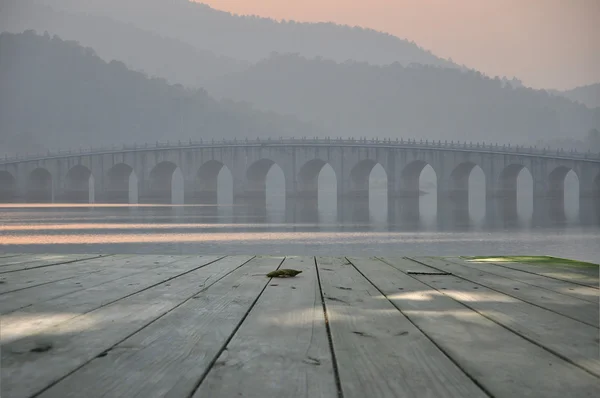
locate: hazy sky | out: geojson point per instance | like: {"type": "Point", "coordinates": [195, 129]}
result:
{"type": "Point", "coordinates": [546, 43]}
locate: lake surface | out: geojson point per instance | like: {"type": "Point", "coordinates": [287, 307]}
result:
{"type": "Point", "coordinates": [198, 230]}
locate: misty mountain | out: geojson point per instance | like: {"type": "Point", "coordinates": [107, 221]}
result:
{"type": "Point", "coordinates": [588, 95]}
{"type": "Point", "coordinates": [358, 99]}
{"type": "Point", "coordinates": [252, 38]}
{"type": "Point", "coordinates": [141, 50]}
{"type": "Point", "coordinates": [58, 94]}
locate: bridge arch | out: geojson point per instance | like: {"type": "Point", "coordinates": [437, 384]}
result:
{"type": "Point", "coordinates": [317, 194]}
{"type": "Point", "coordinates": [122, 184]}
{"type": "Point", "coordinates": [79, 185]}
{"type": "Point", "coordinates": [562, 203]}
{"type": "Point", "coordinates": [368, 193]}
{"type": "Point", "coordinates": [466, 199]}
{"type": "Point", "coordinates": [207, 187]}
{"type": "Point", "coordinates": [8, 186]}
{"type": "Point", "coordinates": [418, 192]}
{"type": "Point", "coordinates": [165, 184]}
{"type": "Point", "coordinates": [266, 188]}
{"type": "Point", "coordinates": [515, 192]}
{"type": "Point", "coordinates": [40, 186]}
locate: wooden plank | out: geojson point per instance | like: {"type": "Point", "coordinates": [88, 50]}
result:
{"type": "Point", "coordinates": [568, 274]}
{"type": "Point", "coordinates": [23, 258]}
{"type": "Point", "coordinates": [170, 356]}
{"type": "Point", "coordinates": [504, 363]}
{"type": "Point", "coordinates": [379, 351]}
{"type": "Point", "coordinates": [282, 348]}
{"type": "Point", "coordinates": [565, 337]}
{"type": "Point", "coordinates": [570, 307]}
{"type": "Point", "coordinates": [28, 322]}
{"type": "Point", "coordinates": [77, 341]}
{"type": "Point", "coordinates": [567, 288]}
{"type": "Point", "coordinates": [6, 255]}
{"type": "Point", "coordinates": [120, 266]}
{"type": "Point", "coordinates": [40, 261]}
{"type": "Point", "coordinates": [29, 278]}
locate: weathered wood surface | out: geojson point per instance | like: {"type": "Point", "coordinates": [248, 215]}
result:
{"type": "Point", "coordinates": [31, 262]}
{"type": "Point", "coordinates": [5, 255]}
{"type": "Point", "coordinates": [81, 302]}
{"type": "Point", "coordinates": [169, 356]}
{"type": "Point", "coordinates": [567, 288]}
{"type": "Point", "coordinates": [501, 360]}
{"type": "Point", "coordinates": [571, 307]}
{"type": "Point", "coordinates": [27, 278]}
{"type": "Point", "coordinates": [582, 276]}
{"type": "Point", "coordinates": [213, 326]}
{"type": "Point", "coordinates": [116, 268]}
{"type": "Point", "coordinates": [569, 338]}
{"type": "Point", "coordinates": [79, 340]}
{"type": "Point", "coordinates": [9, 259]}
{"type": "Point", "coordinates": [281, 349]}
{"type": "Point", "coordinates": [380, 353]}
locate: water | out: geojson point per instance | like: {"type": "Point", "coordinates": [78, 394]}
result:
{"type": "Point", "coordinates": [204, 230]}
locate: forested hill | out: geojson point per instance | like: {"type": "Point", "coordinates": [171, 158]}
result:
{"type": "Point", "coordinates": [588, 95]}
{"type": "Point", "coordinates": [252, 38]}
{"type": "Point", "coordinates": [439, 103]}
{"type": "Point", "coordinates": [55, 93]}
{"type": "Point", "coordinates": [139, 49]}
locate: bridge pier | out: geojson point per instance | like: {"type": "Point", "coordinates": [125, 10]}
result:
{"type": "Point", "coordinates": [453, 208]}
{"type": "Point", "coordinates": [354, 207]}
{"type": "Point", "coordinates": [589, 207]}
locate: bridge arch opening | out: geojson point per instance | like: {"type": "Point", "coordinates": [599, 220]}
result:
{"type": "Point", "coordinates": [418, 193]}
{"type": "Point", "coordinates": [368, 194]}
{"type": "Point", "coordinates": [515, 193]}
{"type": "Point", "coordinates": [563, 194]}
{"type": "Point", "coordinates": [40, 187]}
{"type": "Point", "coordinates": [467, 194]}
{"type": "Point", "coordinates": [122, 184]}
{"type": "Point", "coordinates": [317, 192]}
{"type": "Point", "coordinates": [214, 184]}
{"type": "Point", "coordinates": [8, 187]}
{"type": "Point", "coordinates": [79, 185]}
{"type": "Point", "coordinates": [166, 184]}
{"type": "Point", "coordinates": [265, 190]}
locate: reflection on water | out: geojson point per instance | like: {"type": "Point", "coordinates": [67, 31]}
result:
{"type": "Point", "coordinates": [277, 230]}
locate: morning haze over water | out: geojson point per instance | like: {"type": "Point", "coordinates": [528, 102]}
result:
{"type": "Point", "coordinates": [369, 144]}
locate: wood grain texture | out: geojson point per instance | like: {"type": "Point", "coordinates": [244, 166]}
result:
{"type": "Point", "coordinates": [79, 340]}
{"type": "Point", "coordinates": [582, 276]}
{"type": "Point", "coordinates": [571, 307]}
{"type": "Point", "coordinates": [564, 336]}
{"type": "Point", "coordinates": [45, 261]}
{"type": "Point", "coordinates": [501, 361]}
{"type": "Point", "coordinates": [28, 278]}
{"type": "Point", "coordinates": [33, 319]}
{"type": "Point", "coordinates": [10, 259]}
{"type": "Point", "coordinates": [120, 266]}
{"type": "Point", "coordinates": [567, 288]}
{"type": "Point", "coordinates": [168, 358]}
{"type": "Point", "coordinates": [379, 351]}
{"type": "Point", "coordinates": [6, 255]}
{"type": "Point", "coordinates": [282, 348]}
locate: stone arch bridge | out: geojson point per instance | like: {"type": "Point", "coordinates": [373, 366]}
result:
{"type": "Point", "coordinates": [145, 174]}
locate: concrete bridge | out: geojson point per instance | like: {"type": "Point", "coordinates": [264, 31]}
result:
{"type": "Point", "coordinates": [149, 174]}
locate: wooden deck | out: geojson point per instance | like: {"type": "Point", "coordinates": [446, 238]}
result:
{"type": "Point", "coordinates": [216, 326]}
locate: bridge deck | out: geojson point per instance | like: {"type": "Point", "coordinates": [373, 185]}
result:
{"type": "Point", "coordinates": [215, 326]}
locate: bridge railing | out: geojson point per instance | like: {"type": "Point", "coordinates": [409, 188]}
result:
{"type": "Point", "coordinates": [362, 141]}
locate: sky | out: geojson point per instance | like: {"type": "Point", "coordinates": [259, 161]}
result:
{"type": "Point", "coordinates": [553, 44]}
